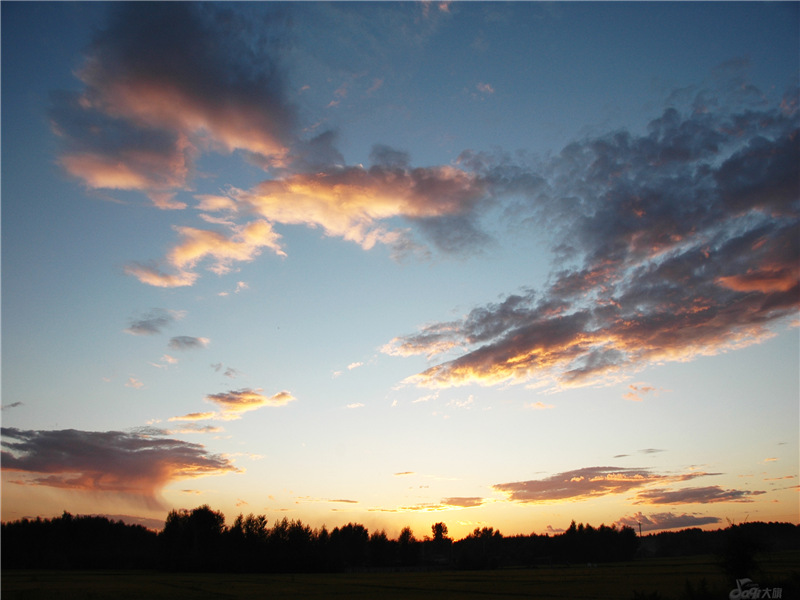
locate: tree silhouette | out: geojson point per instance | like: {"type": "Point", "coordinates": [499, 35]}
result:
{"type": "Point", "coordinates": [407, 547]}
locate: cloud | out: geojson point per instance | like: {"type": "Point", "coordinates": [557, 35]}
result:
{"type": "Point", "coordinates": [666, 520]}
{"type": "Point", "coordinates": [404, 473]}
{"type": "Point", "coordinates": [154, 321]}
{"type": "Point", "coordinates": [354, 365]}
{"type": "Point", "coordinates": [693, 495]}
{"type": "Point", "coordinates": [585, 483]}
{"type": "Point", "coordinates": [195, 416]}
{"type": "Point", "coordinates": [355, 405]}
{"type": "Point", "coordinates": [134, 383]}
{"type": "Point", "coordinates": [638, 391]}
{"type": "Point", "coordinates": [236, 402]}
{"type": "Point", "coordinates": [676, 243]}
{"type": "Point", "coordinates": [185, 342]}
{"type": "Point", "coordinates": [462, 502]}
{"type": "Point", "coordinates": [162, 83]}
{"type": "Point", "coordinates": [12, 405]}
{"type": "Point", "coordinates": [354, 203]}
{"type": "Point", "coordinates": [133, 464]}
{"type": "Point", "coordinates": [455, 503]}
{"type": "Point", "coordinates": [540, 406]}
{"type": "Point", "coordinates": [219, 250]}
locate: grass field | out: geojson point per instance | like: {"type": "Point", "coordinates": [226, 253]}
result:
{"type": "Point", "coordinates": [649, 578]}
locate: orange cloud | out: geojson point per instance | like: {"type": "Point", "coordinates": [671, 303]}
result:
{"type": "Point", "coordinates": [351, 202]}
{"type": "Point", "coordinates": [243, 245]}
{"type": "Point", "coordinates": [195, 416]}
{"type": "Point", "coordinates": [236, 402]}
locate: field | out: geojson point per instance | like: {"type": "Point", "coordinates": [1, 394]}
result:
{"type": "Point", "coordinates": [662, 579]}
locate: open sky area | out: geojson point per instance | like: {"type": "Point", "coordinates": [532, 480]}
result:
{"type": "Point", "coordinates": [487, 264]}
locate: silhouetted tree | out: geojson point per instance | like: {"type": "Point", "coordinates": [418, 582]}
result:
{"type": "Point", "coordinates": [350, 543]}
{"type": "Point", "coordinates": [193, 540]}
{"type": "Point", "coordinates": [408, 549]}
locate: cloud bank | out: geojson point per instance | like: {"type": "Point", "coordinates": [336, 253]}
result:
{"type": "Point", "coordinates": [667, 244]}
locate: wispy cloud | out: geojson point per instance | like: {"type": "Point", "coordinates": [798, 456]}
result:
{"type": "Point", "coordinates": [134, 383]}
{"type": "Point", "coordinates": [638, 392]}
{"type": "Point", "coordinates": [134, 464]}
{"type": "Point", "coordinates": [540, 406]}
{"type": "Point", "coordinates": [455, 503]}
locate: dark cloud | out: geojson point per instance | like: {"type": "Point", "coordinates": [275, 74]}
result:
{"type": "Point", "coordinates": [154, 321]}
{"type": "Point", "coordinates": [185, 342]}
{"type": "Point", "coordinates": [666, 520]}
{"type": "Point", "coordinates": [163, 82]}
{"type": "Point", "coordinates": [678, 242]}
{"type": "Point", "coordinates": [695, 495]}
{"type": "Point", "coordinates": [12, 405]}
{"type": "Point", "coordinates": [585, 483]}
{"type": "Point", "coordinates": [134, 464]}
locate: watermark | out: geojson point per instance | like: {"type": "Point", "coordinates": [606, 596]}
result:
{"type": "Point", "coordinates": [747, 589]}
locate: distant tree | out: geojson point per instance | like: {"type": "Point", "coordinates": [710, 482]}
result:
{"type": "Point", "coordinates": [350, 543]}
{"type": "Point", "coordinates": [381, 549]}
{"type": "Point", "coordinates": [192, 540]}
{"type": "Point", "coordinates": [439, 531]}
{"type": "Point", "coordinates": [408, 548]}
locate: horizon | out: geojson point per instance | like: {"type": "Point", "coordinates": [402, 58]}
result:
{"type": "Point", "coordinates": [487, 264]}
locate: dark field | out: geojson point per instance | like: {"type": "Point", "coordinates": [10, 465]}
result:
{"type": "Point", "coordinates": [648, 579]}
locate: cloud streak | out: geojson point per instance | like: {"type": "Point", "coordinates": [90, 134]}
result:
{"type": "Point", "coordinates": [133, 464]}
{"type": "Point", "coordinates": [665, 520]}
{"type": "Point", "coordinates": [695, 495]}
{"type": "Point", "coordinates": [586, 483]}
{"type": "Point", "coordinates": [186, 342]}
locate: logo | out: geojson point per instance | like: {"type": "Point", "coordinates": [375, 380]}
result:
{"type": "Point", "coordinates": [747, 589]}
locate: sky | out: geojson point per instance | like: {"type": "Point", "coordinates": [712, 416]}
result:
{"type": "Point", "coordinates": [486, 264]}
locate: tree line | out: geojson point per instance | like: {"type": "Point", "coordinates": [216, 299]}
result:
{"type": "Point", "coordinates": [199, 540]}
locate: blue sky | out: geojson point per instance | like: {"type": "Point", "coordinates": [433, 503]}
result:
{"type": "Point", "coordinates": [399, 263]}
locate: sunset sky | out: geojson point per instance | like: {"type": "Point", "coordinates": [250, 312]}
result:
{"type": "Point", "coordinates": [489, 264]}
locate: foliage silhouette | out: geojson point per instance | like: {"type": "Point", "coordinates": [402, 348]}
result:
{"type": "Point", "coordinates": [198, 540]}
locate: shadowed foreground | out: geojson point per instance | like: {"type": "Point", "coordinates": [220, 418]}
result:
{"type": "Point", "coordinates": [645, 579]}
